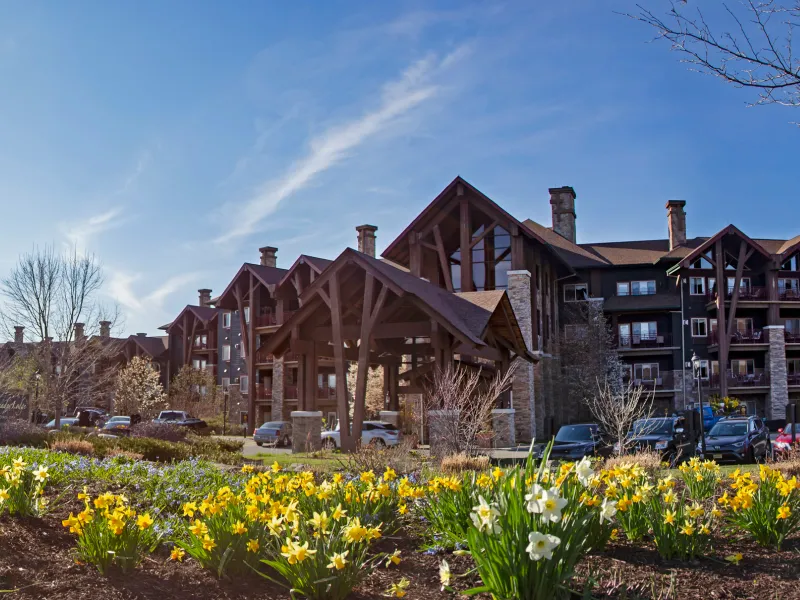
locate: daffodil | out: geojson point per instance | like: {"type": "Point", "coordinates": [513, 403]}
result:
{"type": "Point", "coordinates": [144, 521]}
{"type": "Point", "coordinates": [541, 545]}
{"type": "Point", "coordinates": [784, 512]}
{"type": "Point", "coordinates": [177, 554]}
{"type": "Point", "coordinates": [338, 561]}
{"type": "Point", "coordinates": [253, 546]}
{"type": "Point", "coordinates": [394, 558]}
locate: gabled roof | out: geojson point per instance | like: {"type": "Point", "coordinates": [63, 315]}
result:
{"type": "Point", "coordinates": [729, 230]}
{"type": "Point", "coordinates": [499, 313]}
{"type": "Point", "coordinates": [467, 314]}
{"type": "Point", "coordinates": [789, 247]}
{"type": "Point", "coordinates": [203, 313]}
{"type": "Point", "coordinates": [575, 255]}
{"type": "Point", "coordinates": [394, 251]}
{"type": "Point", "coordinates": [314, 262]}
{"type": "Point", "coordinates": [152, 346]}
{"type": "Point", "coordinates": [269, 276]}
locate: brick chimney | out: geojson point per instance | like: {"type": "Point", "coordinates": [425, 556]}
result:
{"type": "Point", "coordinates": [79, 332]}
{"type": "Point", "coordinates": [141, 335]}
{"type": "Point", "coordinates": [676, 221]}
{"type": "Point", "coordinates": [204, 296]}
{"type": "Point", "coordinates": [105, 329]}
{"type": "Point", "coordinates": [366, 239]}
{"type": "Point", "coordinates": [268, 256]}
{"type": "Point", "coordinates": [19, 334]}
{"type": "Point", "coordinates": [562, 201]}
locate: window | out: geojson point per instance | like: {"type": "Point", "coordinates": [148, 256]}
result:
{"type": "Point", "coordinates": [646, 330]}
{"type": "Point", "coordinates": [643, 288]}
{"type": "Point", "coordinates": [645, 372]}
{"type": "Point", "coordinates": [743, 367]}
{"type": "Point", "coordinates": [575, 292]}
{"type": "Point", "coordinates": [226, 384]}
{"type": "Point", "coordinates": [226, 320]}
{"type": "Point", "coordinates": [744, 326]}
{"type": "Point", "coordinates": [241, 350]}
{"type": "Point", "coordinates": [623, 288]}
{"type": "Point", "coordinates": [700, 263]}
{"type": "Point", "coordinates": [712, 326]}
{"type": "Point", "coordinates": [491, 260]}
{"type": "Point", "coordinates": [627, 372]}
{"type": "Point", "coordinates": [200, 364]}
{"type": "Point", "coordinates": [226, 352]}
{"type": "Point", "coordinates": [793, 367]}
{"type": "Point", "coordinates": [697, 286]}
{"type": "Point", "coordinates": [744, 284]}
{"type": "Point", "coordinates": [792, 328]}
{"type": "Point", "coordinates": [793, 264]}
{"type": "Point", "coordinates": [699, 328]}
{"type": "Point", "coordinates": [244, 381]}
{"type": "Point", "coordinates": [703, 370]}
{"type": "Point", "coordinates": [246, 314]}
{"type": "Point", "coordinates": [712, 285]}
{"type": "Point", "coordinates": [575, 332]}
{"type": "Point", "coordinates": [788, 288]}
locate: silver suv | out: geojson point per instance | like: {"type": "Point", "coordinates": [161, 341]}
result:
{"type": "Point", "coordinates": [375, 433]}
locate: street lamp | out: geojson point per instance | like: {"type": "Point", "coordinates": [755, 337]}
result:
{"type": "Point", "coordinates": [696, 368]}
{"type": "Point", "coordinates": [35, 415]}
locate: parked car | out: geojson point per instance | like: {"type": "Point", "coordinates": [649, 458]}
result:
{"type": "Point", "coordinates": [90, 416]}
{"type": "Point", "coordinates": [181, 418]}
{"type": "Point", "coordinates": [709, 418]}
{"type": "Point", "coordinates": [375, 433]}
{"type": "Point", "coordinates": [663, 434]}
{"type": "Point", "coordinates": [784, 441]}
{"type": "Point", "coordinates": [118, 425]}
{"type": "Point", "coordinates": [738, 439]}
{"type": "Point", "coordinates": [573, 442]}
{"type": "Point", "coordinates": [65, 422]}
{"type": "Point", "coordinates": [277, 433]}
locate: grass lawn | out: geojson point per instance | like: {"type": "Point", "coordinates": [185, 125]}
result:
{"type": "Point", "coordinates": [314, 461]}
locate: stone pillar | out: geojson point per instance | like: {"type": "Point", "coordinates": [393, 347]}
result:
{"type": "Point", "coordinates": [306, 431]}
{"type": "Point", "coordinates": [442, 426]}
{"type": "Point", "coordinates": [523, 399]}
{"type": "Point", "coordinates": [19, 334]}
{"type": "Point", "coordinates": [678, 398]}
{"type": "Point", "coordinates": [277, 389]}
{"type": "Point", "coordinates": [562, 202]}
{"type": "Point", "coordinates": [503, 428]}
{"type": "Point", "coordinates": [391, 416]}
{"type": "Point", "coordinates": [269, 256]}
{"type": "Point", "coordinates": [776, 367]}
{"type": "Point", "coordinates": [676, 223]}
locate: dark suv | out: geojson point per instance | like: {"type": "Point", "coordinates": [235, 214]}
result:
{"type": "Point", "coordinates": [665, 435]}
{"type": "Point", "coordinates": [738, 439]}
{"type": "Point", "coordinates": [573, 442]}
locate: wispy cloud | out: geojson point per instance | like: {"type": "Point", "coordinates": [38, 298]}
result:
{"type": "Point", "coordinates": [121, 289]}
{"type": "Point", "coordinates": [79, 233]}
{"type": "Point", "coordinates": [398, 98]}
{"type": "Point", "coordinates": [142, 161]}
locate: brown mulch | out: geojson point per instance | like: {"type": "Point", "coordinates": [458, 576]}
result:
{"type": "Point", "coordinates": [36, 559]}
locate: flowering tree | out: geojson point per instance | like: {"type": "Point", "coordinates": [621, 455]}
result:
{"type": "Point", "coordinates": [138, 389]}
{"type": "Point", "coordinates": [196, 392]}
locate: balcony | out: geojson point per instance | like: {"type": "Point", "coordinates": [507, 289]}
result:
{"type": "Point", "coordinates": [748, 337]}
{"type": "Point", "coordinates": [263, 392]}
{"type": "Point", "coordinates": [644, 341]}
{"type": "Point", "coordinates": [200, 345]}
{"type": "Point", "coordinates": [290, 392]}
{"type": "Point", "coordinates": [665, 382]}
{"type": "Point", "coordinates": [746, 294]}
{"type": "Point", "coordinates": [794, 379]}
{"type": "Point", "coordinates": [758, 379]}
{"type": "Point", "coordinates": [326, 393]}
{"type": "Point", "coordinates": [792, 337]}
{"type": "Point", "coordinates": [789, 295]}
{"type": "Point", "coordinates": [270, 318]}
{"type": "Point", "coordinates": [264, 358]}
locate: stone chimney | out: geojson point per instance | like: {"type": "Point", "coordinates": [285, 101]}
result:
{"type": "Point", "coordinates": [268, 256]}
{"type": "Point", "coordinates": [19, 334]}
{"type": "Point", "coordinates": [204, 297]}
{"type": "Point", "coordinates": [676, 220]}
{"type": "Point", "coordinates": [141, 335]}
{"type": "Point", "coordinates": [562, 201]}
{"type": "Point", "coordinates": [366, 239]}
{"type": "Point", "coordinates": [79, 332]}
{"type": "Point", "coordinates": [105, 329]}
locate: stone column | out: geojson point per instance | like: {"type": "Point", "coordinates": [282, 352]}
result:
{"type": "Point", "coordinates": [277, 389]}
{"type": "Point", "coordinates": [391, 416]}
{"type": "Point", "coordinates": [306, 431]}
{"type": "Point", "coordinates": [503, 427]}
{"type": "Point", "coordinates": [523, 399]}
{"type": "Point", "coordinates": [776, 367]}
{"type": "Point", "coordinates": [442, 426]}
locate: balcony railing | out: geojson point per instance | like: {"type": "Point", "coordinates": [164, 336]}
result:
{"type": "Point", "coordinates": [636, 292]}
{"type": "Point", "coordinates": [270, 318]}
{"type": "Point", "coordinates": [789, 295]}
{"type": "Point", "coordinates": [759, 378]}
{"type": "Point", "coordinates": [746, 294]}
{"type": "Point", "coordinates": [263, 392]}
{"type": "Point", "coordinates": [290, 392]}
{"type": "Point", "coordinates": [792, 337]}
{"type": "Point", "coordinates": [326, 393]}
{"type": "Point", "coordinates": [794, 379]}
{"type": "Point", "coordinates": [264, 358]}
{"type": "Point", "coordinates": [200, 345]}
{"type": "Point", "coordinates": [748, 336]}
{"type": "Point", "coordinates": [644, 341]}
{"type": "Point", "coordinates": [664, 381]}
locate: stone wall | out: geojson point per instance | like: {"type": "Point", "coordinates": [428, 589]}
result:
{"type": "Point", "coordinates": [306, 431]}
{"type": "Point", "coordinates": [440, 431]}
{"type": "Point", "coordinates": [503, 428]}
{"type": "Point", "coordinates": [277, 389]}
{"type": "Point", "coordinates": [776, 363]}
{"type": "Point", "coordinates": [523, 398]}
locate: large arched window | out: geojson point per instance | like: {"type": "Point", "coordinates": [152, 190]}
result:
{"type": "Point", "coordinates": [491, 261]}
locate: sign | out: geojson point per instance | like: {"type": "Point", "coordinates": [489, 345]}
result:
{"type": "Point", "coordinates": [13, 407]}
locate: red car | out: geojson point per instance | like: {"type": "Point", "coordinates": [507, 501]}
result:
{"type": "Point", "coordinates": [784, 440]}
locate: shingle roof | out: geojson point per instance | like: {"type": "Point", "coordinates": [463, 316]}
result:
{"type": "Point", "coordinates": [573, 254]}
{"type": "Point", "coordinates": [153, 346]}
{"type": "Point", "coordinates": [267, 275]}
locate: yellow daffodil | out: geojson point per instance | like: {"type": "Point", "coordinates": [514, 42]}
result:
{"type": "Point", "coordinates": [144, 521]}
{"type": "Point", "coordinates": [208, 543]}
{"type": "Point", "coordinates": [253, 546]}
{"type": "Point", "coordinates": [177, 554]}
{"type": "Point", "coordinates": [784, 512]}
{"type": "Point", "coordinates": [394, 558]}
{"type": "Point", "coordinates": [338, 561]}
{"type": "Point", "coordinates": [238, 528]}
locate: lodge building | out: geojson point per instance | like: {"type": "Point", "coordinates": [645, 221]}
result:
{"type": "Point", "coordinates": [468, 282]}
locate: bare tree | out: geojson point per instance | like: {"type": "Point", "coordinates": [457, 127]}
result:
{"type": "Point", "coordinates": [196, 392]}
{"type": "Point", "coordinates": [138, 389]}
{"type": "Point", "coordinates": [50, 295]}
{"type": "Point", "coordinates": [616, 409]}
{"type": "Point", "coordinates": [589, 354]}
{"type": "Point", "coordinates": [755, 51]}
{"type": "Point", "coordinates": [461, 398]}
{"type": "Point", "coordinates": [374, 399]}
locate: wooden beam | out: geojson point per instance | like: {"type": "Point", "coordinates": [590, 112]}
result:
{"type": "Point", "coordinates": [707, 256]}
{"type": "Point", "coordinates": [484, 233]}
{"type": "Point", "coordinates": [724, 340]}
{"type": "Point", "coordinates": [250, 360]}
{"type": "Point", "coordinates": [441, 215]}
{"type": "Point", "coordinates": [484, 352]}
{"type": "Point", "coordinates": [517, 252]}
{"type": "Point", "coordinates": [443, 262]}
{"type": "Point", "coordinates": [414, 254]}
{"type": "Point", "coordinates": [736, 283]}
{"type": "Point", "coordinates": [466, 252]}
{"type": "Point", "coordinates": [380, 331]}
{"type": "Point", "coordinates": [428, 245]}
{"type": "Point", "coordinates": [363, 356]}
{"type": "Point", "coordinates": [346, 440]}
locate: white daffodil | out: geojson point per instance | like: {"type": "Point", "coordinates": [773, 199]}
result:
{"type": "Point", "coordinates": [444, 574]}
{"type": "Point", "coordinates": [584, 470]}
{"type": "Point", "coordinates": [551, 504]}
{"type": "Point", "coordinates": [608, 510]}
{"type": "Point", "coordinates": [533, 498]}
{"type": "Point", "coordinates": [484, 516]}
{"type": "Point", "coordinates": [541, 545]}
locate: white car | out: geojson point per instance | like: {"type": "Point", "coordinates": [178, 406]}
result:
{"type": "Point", "coordinates": [376, 433]}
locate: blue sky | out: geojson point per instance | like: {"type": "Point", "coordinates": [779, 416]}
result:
{"type": "Point", "coordinates": [173, 139]}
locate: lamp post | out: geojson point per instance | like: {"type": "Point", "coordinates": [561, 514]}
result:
{"type": "Point", "coordinates": [696, 368]}
{"type": "Point", "coordinates": [35, 415]}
